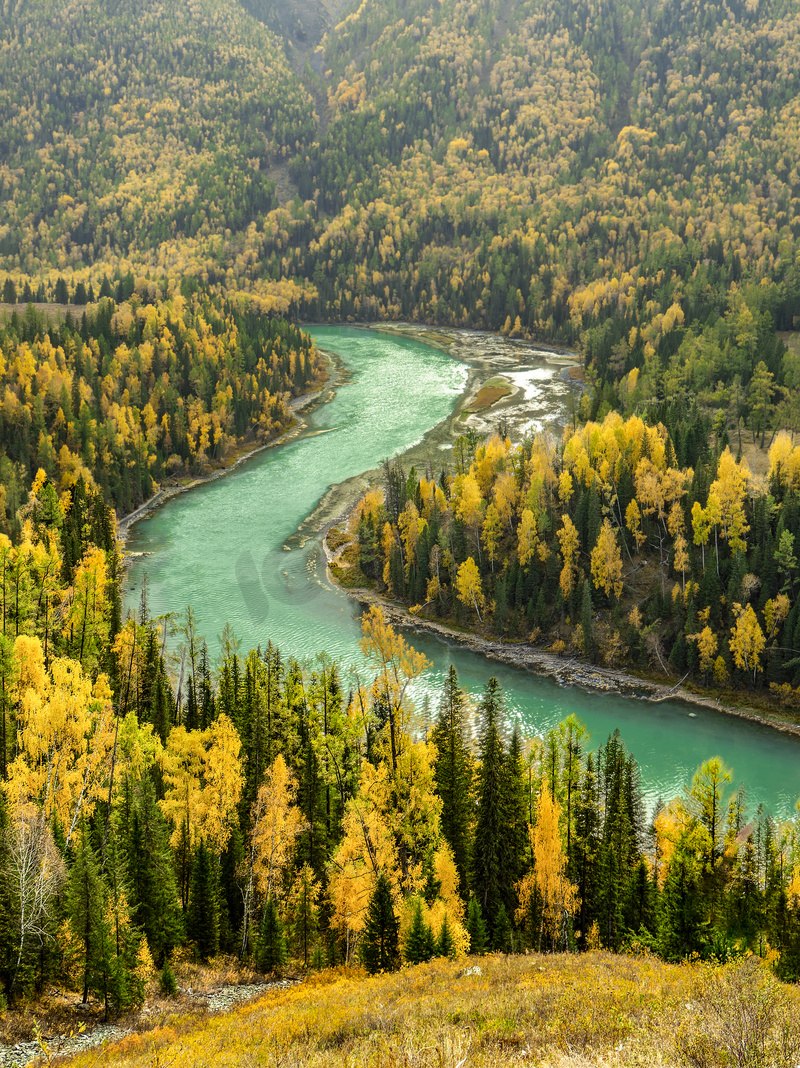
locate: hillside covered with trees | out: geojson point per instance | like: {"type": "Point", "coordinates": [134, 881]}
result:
{"type": "Point", "coordinates": [273, 810]}
{"type": "Point", "coordinates": [623, 544]}
{"type": "Point", "coordinates": [141, 390]}
{"type": "Point", "coordinates": [618, 177]}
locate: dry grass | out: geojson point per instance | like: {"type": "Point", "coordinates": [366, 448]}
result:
{"type": "Point", "coordinates": [489, 395]}
{"type": "Point", "coordinates": [559, 1012]}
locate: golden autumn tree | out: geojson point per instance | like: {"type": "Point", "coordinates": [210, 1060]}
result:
{"type": "Point", "coordinates": [65, 737]}
{"type": "Point", "coordinates": [607, 561]}
{"type": "Point", "coordinates": [469, 587]}
{"type": "Point", "coordinates": [398, 664]}
{"type": "Point", "coordinates": [570, 542]}
{"type": "Point", "coordinates": [547, 883]}
{"type": "Point", "coordinates": [747, 640]}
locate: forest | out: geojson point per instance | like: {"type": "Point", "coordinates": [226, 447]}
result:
{"type": "Point", "coordinates": [177, 195]}
{"type": "Point", "coordinates": [619, 176]}
{"type": "Point", "coordinates": [140, 391]}
{"type": "Point", "coordinates": [302, 813]}
{"type": "Point", "coordinates": [620, 544]}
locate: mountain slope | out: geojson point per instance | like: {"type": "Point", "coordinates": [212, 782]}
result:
{"type": "Point", "coordinates": [566, 1011]}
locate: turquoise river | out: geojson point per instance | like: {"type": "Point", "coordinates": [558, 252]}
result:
{"type": "Point", "coordinates": [221, 549]}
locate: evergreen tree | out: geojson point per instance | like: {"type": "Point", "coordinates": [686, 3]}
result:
{"type": "Point", "coordinates": [417, 946]}
{"type": "Point", "coordinates": [445, 946]}
{"type": "Point", "coordinates": [501, 936]}
{"type": "Point", "coordinates": [86, 907]}
{"type": "Point", "coordinates": [304, 912]}
{"type": "Point", "coordinates": [476, 928]}
{"type": "Point", "coordinates": [271, 948]}
{"type": "Point", "coordinates": [453, 774]}
{"type": "Point", "coordinates": [380, 944]}
{"type": "Point", "coordinates": [150, 878]}
{"type": "Point", "coordinates": [490, 857]}
{"type": "Point", "coordinates": [202, 925]}
{"type": "Point", "coordinates": [681, 927]}
{"type": "Point", "coordinates": [515, 808]}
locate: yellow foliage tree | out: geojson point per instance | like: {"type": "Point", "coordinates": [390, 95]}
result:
{"type": "Point", "coordinates": [469, 587]}
{"type": "Point", "coordinates": [558, 897]}
{"type": "Point", "coordinates": [747, 640]}
{"type": "Point", "coordinates": [607, 561]}
{"type": "Point", "coordinates": [65, 736]}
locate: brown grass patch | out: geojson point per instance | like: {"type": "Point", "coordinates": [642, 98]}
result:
{"type": "Point", "coordinates": [487, 396]}
{"type": "Point", "coordinates": [565, 1011]}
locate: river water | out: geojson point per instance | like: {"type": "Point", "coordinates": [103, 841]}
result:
{"type": "Point", "coordinates": [221, 548]}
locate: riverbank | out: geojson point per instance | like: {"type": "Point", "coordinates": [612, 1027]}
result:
{"type": "Point", "coordinates": [301, 407]}
{"type": "Point", "coordinates": [541, 380]}
{"type": "Point", "coordinates": [564, 670]}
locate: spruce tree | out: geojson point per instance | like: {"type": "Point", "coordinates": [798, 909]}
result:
{"type": "Point", "coordinates": [515, 808]}
{"type": "Point", "coordinates": [501, 936]}
{"type": "Point", "coordinates": [417, 946]}
{"type": "Point", "coordinates": [271, 948]}
{"type": "Point", "coordinates": [490, 858]}
{"type": "Point", "coordinates": [453, 774]}
{"type": "Point", "coordinates": [476, 928]}
{"type": "Point", "coordinates": [86, 907]}
{"type": "Point", "coordinates": [203, 915]}
{"type": "Point", "coordinates": [380, 945]}
{"type": "Point", "coordinates": [150, 869]}
{"type": "Point", "coordinates": [681, 927]}
{"type": "Point", "coordinates": [445, 946]}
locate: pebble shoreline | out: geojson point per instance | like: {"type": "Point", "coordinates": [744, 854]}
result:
{"type": "Point", "coordinates": [222, 1000]}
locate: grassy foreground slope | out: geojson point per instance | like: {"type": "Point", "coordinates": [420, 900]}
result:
{"type": "Point", "coordinates": [564, 1011]}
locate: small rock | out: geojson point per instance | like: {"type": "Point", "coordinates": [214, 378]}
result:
{"type": "Point", "coordinates": [472, 971]}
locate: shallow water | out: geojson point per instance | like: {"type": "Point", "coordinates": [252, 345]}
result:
{"type": "Point", "coordinates": [220, 548]}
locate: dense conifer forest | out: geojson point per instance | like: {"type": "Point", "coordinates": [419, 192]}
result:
{"type": "Point", "coordinates": [179, 189]}
{"type": "Point", "coordinates": [279, 811]}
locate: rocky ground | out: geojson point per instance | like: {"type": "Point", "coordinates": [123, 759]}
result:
{"type": "Point", "coordinates": [85, 1032]}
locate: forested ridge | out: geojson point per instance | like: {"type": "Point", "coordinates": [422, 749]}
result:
{"type": "Point", "coordinates": [279, 811]}
{"type": "Point", "coordinates": [139, 391]}
{"type": "Point", "coordinates": [620, 544]}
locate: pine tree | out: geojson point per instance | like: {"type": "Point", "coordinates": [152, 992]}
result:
{"type": "Point", "coordinates": [476, 928]}
{"type": "Point", "coordinates": [271, 949]}
{"type": "Point", "coordinates": [681, 927]}
{"type": "Point", "coordinates": [304, 912]}
{"type": "Point", "coordinates": [86, 907]}
{"type": "Point", "coordinates": [501, 936]}
{"type": "Point", "coordinates": [380, 944]}
{"type": "Point", "coordinates": [150, 869]}
{"type": "Point", "coordinates": [453, 774]}
{"type": "Point", "coordinates": [515, 808]}
{"type": "Point", "coordinates": [203, 916]}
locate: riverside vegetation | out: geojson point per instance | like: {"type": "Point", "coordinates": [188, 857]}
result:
{"type": "Point", "coordinates": [278, 811]}
{"type": "Point", "coordinates": [622, 177]}
{"type": "Point", "coordinates": [622, 543]}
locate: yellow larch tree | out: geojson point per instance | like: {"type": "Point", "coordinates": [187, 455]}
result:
{"type": "Point", "coordinates": [547, 879]}
{"type": "Point", "coordinates": [398, 664]}
{"type": "Point", "coordinates": [65, 736]}
{"type": "Point", "coordinates": [469, 587]}
{"type": "Point", "coordinates": [527, 537]}
{"type": "Point", "coordinates": [569, 541]}
{"type": "Point", "coordinates": [607, 561]}
{"type": "Point", "coordinates": [747, 640]}
{"type": "Point", "coordinates": [491, 532]}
